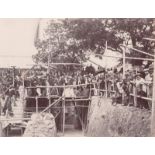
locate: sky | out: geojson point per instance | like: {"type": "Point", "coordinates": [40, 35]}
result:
{"type": "Point", "coordinates": [17, 41]}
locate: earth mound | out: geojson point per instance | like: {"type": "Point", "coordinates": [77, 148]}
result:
{"type": "Point", "coordinates": [107, 120]}
{"type": "Point", "coordinates": [41, 125]}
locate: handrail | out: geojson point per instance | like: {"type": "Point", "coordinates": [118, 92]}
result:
{"type": "Point", "coordinates": [146, 98]}
{"type": "Point", "coordinates": [62, 86]}
{"type": "Point", "coordinates": [138, 51]}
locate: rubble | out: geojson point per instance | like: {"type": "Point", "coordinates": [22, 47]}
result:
{"type": "Point", "coordinates": [41, 125]}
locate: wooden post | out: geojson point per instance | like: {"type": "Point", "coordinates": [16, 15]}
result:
{"type": "Point", "coordinates": [106, 88]}
{"type": "Point", "coordinates": [153, 104]}
{"type": "Point", "coordinates": [124, 63]}
{"type": "Point", "coordinates": [36, 104]}
{"type": "Point", "coordinates": [48, 70]}
{"type": "Point", "coordinates": [49, 100]}
{"type": "Point", "coordinates": [1, 130]}
{"type": "Point", "coordinates": [106, 46]}
{"type": "Point", "coordinates": [124, 51]}
{"type": "Point", "coordinates": [90, 93]}
{"type": "Point", "coordinates": [153, 96]}
{"type": "Point", "coordinates": [13, 70]}
{"type": "Point", "coordinates": [63, 117]}
{"type": "Point", "coordinates": [0, 108]}
{"type": "Point", "coordinates": [106, 84]}
{"type": "Point", "coordinates": [135, 95]}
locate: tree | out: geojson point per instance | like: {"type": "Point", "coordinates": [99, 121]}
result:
{"type": "Point", "coordinates": [136, 30]}
{"type": "Point", "coordinates": [71, 40]}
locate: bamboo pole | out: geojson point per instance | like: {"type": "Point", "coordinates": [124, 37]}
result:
{"type": "Point", "coordinates": [49, 102]}
{"type": "Point", "coordinates": [120, 57]}
{"type": "Point", "coordinates": [138, 50]}
{"type": "Point", "coordinates": [124, 51]}
{"type": "Point", "coordinates": [47, 108]}
{"type": "Point", "coordinates": [153, 96]}
{"type": "Point", "coordinates": [146, 98]}
{"type": "Point", "coordinates": [1, 130]}
{"type": "Point", "coordinates": [153, 104]}
{"type": "Point", "coordinates": [75, 64]}
{"type": "Point", "coordinates": [64, 118]}
{"type": "Point", "coordinates": [106, 88]}
{"type": "Point", "coordinates": [106, 46]}
{"type": "Point", "coordinates": [150, 39]}
{"type": "Point", "coordinates": [36, 104]}
{"type": "Point", "coordinates": [13, 72]}
{"type": "Point", "coordinates": [135, 58]}
{"type": "Point", "coordinates": [62, 86]}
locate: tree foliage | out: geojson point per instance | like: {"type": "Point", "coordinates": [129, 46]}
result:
{"type": "Point", "coordinates": [71, 40]}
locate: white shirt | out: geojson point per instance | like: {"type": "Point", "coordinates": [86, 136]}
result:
{"type": "Point", "coordinates": [68, 92]}
{"type": "Point", "coordinates": [148, 78]}
{"type": "Point", "coordinates": [142, 82]}
{"type": "Point", "coordinates": [120, 89]}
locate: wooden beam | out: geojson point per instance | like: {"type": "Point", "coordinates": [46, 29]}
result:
{"type": "Point", "coordinates": [47, 108]}
{"type": "Point", "coordinates": [63, 115]}
{"type": "Point", "coordinates": [121, 57]}
{"type": "Point", "coordinates": [149, 39]}
{"type": "Point", "coordinates": [62, 86]}
{"type": "Point", "coordinates": [124, 51]}
{"type": "Point", "coordinates": [153, 104]}
{"type": "Point", "coordinates": [36, 104]}
{"type": "Point", "coordinates": [138, 51]}
{"type": "Point", "coordinates": [146, 98]}
{"type": "Point", "coordinates": [153, 96]}
{"type": "Point", "coordinates": [1, 130]}
{"type": "Point", "coordinates": [135, 58]}
{"type": "Point", "coordinates": [75, 64]}
{"type": "Point", "coordinates": [14, 119]}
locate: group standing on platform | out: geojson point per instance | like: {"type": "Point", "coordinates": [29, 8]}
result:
{"type": "Point", "coordinates": [104, 82]}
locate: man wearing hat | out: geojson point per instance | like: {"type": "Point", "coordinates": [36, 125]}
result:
{"type": "Point", "coordinates": [149, 82]}
{"type": "Point", "coordinates": [139, 80]}
{"type": "Point", "coordinates": [142, 103]}
{"type": "Point", "coordinates": [148, 77]}
{"type": "Point", "coordinates": [8, 102]}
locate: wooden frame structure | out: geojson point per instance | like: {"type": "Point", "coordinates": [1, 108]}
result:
{"type": "Point", "coordinates": [62, 99]}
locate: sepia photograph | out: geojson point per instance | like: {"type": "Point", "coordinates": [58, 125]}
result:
{"type": "Point", "coordinates": [77, 77]}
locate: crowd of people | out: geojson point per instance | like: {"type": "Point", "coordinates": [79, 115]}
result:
{"type": "Point", "coordinates": [135, 88]}
{"type": "Point", "coordinates": [104, 82]}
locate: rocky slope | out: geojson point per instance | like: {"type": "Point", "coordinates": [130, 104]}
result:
{"type": "Point", "coordinates": [113, 121]}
